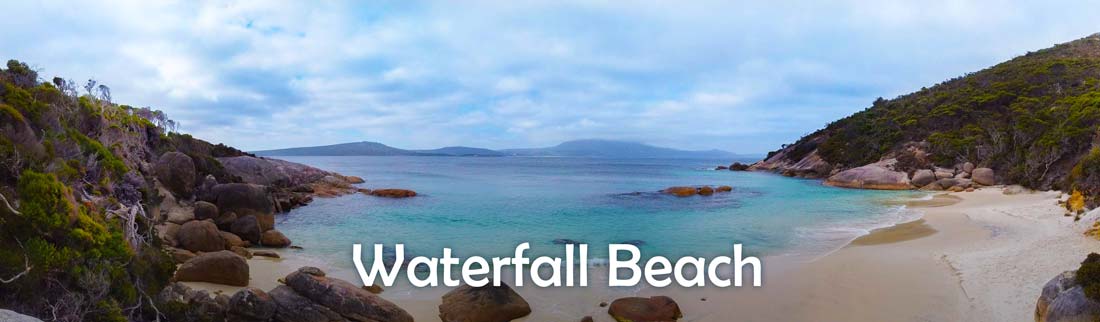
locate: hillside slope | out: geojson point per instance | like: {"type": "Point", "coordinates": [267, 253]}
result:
{"type": "Point", "coordinates": [1034, 119]}
{"type": "Point", "coordinates": [96, 199]}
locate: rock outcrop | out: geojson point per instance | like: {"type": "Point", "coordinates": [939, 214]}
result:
{"type": "Point", "coordinates": [922, 177]}
{"type": "Point", "coordinates": [243, 199]}
{"type": "Point", "coordinates": [348, 300]}
{"type": "Point", "coordinates": [12, 316]}
{"type": "Point", "coordinates": [293, 307]}
{"type": "Point", "coordinates": [1062, 299]}
{"type": "Point", "coordinates": [640, 309]}
{"type": "Point", "coordinates": [483, 304]}
{"type": "Point", "coordinates": [176, 171]}
{"type": "Point", "coordinates": [274, 238]}
{"type": "Point", "coordinates": [200, 236]}
{"type": "Point", "coordinates": [984, 176]}
{"type": "Point", "coordinates": [251, 304]}
{"type": "Point", "coordinates": [879, 176]}
{"type": "Point", "coordinates": [248, 228]}
{"type": "Point", "coordinates": [222, 267]}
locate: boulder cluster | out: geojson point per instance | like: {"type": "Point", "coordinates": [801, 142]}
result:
{"type": "Point", "coordinates": [209, 227]}
{"type": "Point", "coordinates": [686, 191]}
{"type": "Point", "coordinates": [887, 175]}
{"type": "Point", "coordinates": [308, 295]}
{"type": "Point", "coordinates": [736, 166]}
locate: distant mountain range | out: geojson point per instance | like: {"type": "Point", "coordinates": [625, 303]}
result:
{"type": "Point", "coordinates": [577, 148]}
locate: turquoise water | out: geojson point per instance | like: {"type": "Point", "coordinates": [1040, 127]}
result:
{"type": "Point", "coordinates": [487, 206]}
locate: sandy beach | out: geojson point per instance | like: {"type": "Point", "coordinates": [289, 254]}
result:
{"type": "Point", "coordinates": [972, 256]}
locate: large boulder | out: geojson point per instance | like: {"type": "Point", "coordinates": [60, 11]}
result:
{"type": "Point", "coordinates": [984, 176]}
{"type": "Point", "coordinates": [483, 304]}
{"type": "Point", "coordinates": [293, 307]}
{"type": "Point", "coordinates": [231, 240]}
{"type": "Point", "coordinates": [344, 298]}
{"type": "Point", "coordinates": [922, 178]}
{"type": "Point", "coordinates": [205, 210]}
{"type": "Point", "coordinates": [199, 304]}
{"type": "Point", "coordinates": [200, 236]}
{"type": "Point", "coordinates": [248, 228]}
{"type": "Point", "coordinates": [967, 167]}
{"type": "Point", "coordinates": [243, 199]}
{"type": "Point", "coordinates": [872, 176]}
{"type": "Point", "coordinates": [640, 309]}
{"type": "Point", "coordinates": [12, 316]}
{"type": "Point", "coordinates": [167, 232]}
{"type": "Point", "coordinates": [942, 173]}
{"type": "Point", "coordinates": [1062, 299]}
{"type": "Point", "coordinates": [251, 304]}
{"type": "Point", "coordinates": [221, 267]}
{"type": "Point", "coordinates": [274, 238]}
{"type": "Point", "coordinates": [177, 172]}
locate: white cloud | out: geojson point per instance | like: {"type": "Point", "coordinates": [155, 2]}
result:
{"type": "Point", "coordinates": [742, 75]}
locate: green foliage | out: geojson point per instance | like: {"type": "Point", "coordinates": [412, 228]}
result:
{"type": "Point", "coordinates": [1088, 276]}
{"type": "Point", "coordinates": [12, 113]}
{"type": "Point", "coordinates": [111, 162]}
{"type": "Point", "coordinates": [1029, 118]}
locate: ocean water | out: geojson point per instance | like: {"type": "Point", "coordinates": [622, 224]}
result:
{"type": "Point", "coordinates": [487, 205]}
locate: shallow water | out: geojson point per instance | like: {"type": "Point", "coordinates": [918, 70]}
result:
{"type": "Point", "coordinates": [487, 205]}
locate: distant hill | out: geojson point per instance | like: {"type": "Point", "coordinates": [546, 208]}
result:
{"type": "Point", "coordinates": [615, 149]}
{"type": "Point", "coordinates": [343, 149]}
{"type": "Point", "coordinates": [463, 151]}
{"type": "Point", "coordinates": [578, 148]}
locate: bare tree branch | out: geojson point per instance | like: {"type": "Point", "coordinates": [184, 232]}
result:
{"type": "Point", "coordinates": [5, 200]}
{"type": "Point", "coordinates": [26, 264]}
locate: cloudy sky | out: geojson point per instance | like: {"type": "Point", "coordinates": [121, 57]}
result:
{"type": "Point", "coordinates": [741, 76]}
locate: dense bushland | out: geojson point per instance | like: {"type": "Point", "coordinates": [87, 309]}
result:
{"type": "Point", "coordinates": [1034, 119]}
{"type": "Point", "coordinates": [76, 243]}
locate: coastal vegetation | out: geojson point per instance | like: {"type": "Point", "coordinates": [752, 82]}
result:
{"type": "Point", "coordinates": [1035, 119]}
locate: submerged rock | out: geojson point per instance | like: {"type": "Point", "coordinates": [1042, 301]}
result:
{"type": "Point", "coordinates": [681, 191]}
{"type": "Point", "coordinates": [483, 304]}
{"type": "Point", "coordinates": [640, 309]}
{"type": "Point", "coordinates": [222, 267]}
{"type": "Point", "coordinates": [566, 241]}
{"type": "Point", "coordinates": [393, 193]}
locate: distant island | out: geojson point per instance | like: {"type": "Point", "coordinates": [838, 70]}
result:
{"type": "Point", "coordinates": [576, 148]}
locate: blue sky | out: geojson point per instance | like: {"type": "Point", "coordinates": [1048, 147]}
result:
{"type": "Point", "coordinates": [744, 76]}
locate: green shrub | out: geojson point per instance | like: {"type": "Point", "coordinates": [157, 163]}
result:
{"type": "Point", "coordinates": [111, 162]}
{"type": "Point", "coordinates": [1088, 276]}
